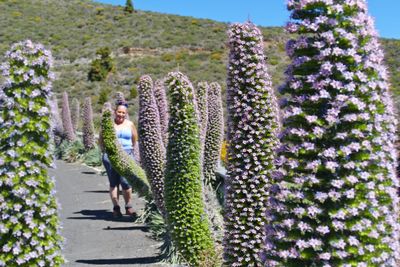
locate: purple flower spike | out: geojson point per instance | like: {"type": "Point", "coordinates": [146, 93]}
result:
{"type": "Point", "coordinates": [150, 142]}
{"type": "Point", "coordinates": [336, 202]}
{"type": "Point", "coordinates": [214, 134]}
{"type": "Point", "coordinates": [202, 106]}
{"type": "Point", "coordinates": [88, 128]}
{"type": "Point", "coordinates": [252, 128]}
{"type": "Point", "coordinates": [159, 91]}
{"type": "Point", "coordinates": [29, 224]}
{"type": "Point", "coordinates": [66, 118]}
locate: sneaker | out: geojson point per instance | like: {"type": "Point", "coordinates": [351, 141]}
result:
{"type": "Point", "coordinates": [117, 212]}
{"type": "Point", "coordinates": [129, 211]}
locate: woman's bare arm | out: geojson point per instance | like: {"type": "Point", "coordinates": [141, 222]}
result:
{"type": "Point", "coordinates": [134, 134]}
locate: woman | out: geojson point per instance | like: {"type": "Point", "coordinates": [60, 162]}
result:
{"type": "Point", "coordinates": [127, 137]}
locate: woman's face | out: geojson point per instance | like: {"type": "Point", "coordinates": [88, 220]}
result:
{"type": "Point", "coordinates": [120, 113]}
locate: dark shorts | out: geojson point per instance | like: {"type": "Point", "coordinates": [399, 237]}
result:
{"type": "Point", "coordinates": [113, 177]}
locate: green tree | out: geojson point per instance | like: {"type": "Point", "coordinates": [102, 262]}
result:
{"type": "Point", "coordinates": [129, 6]}
{"type": "Point", "coordinates": [133, 92]}
{"type": "Point", "coordinates": [103, 97]}
{"type": "Point", "coordinates": [101, 66]}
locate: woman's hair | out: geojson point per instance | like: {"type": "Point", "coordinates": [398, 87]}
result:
{"type": "Point", "coordinates": [121, 103]}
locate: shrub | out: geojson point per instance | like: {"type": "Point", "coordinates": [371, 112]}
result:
{"type": "Point", "coordinates": [102, 66]}
{"type": "Point", "coordinates": [29, 226]}
{"type": "Point", "coordinates": [129, 6]}
{"type": "Point", "coordinates": [92, 157]}
{"type": "Point", "coordinates": [337, 203]}
{"type": "Point", "coordinates": [252, 130]}
{"type": "Point", "coordinates": [103, 96]}
{"type": "Point", "coordinates": [133, 92]}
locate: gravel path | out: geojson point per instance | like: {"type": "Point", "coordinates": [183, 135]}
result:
{"type": "Point", "coordinates": [92, 237]}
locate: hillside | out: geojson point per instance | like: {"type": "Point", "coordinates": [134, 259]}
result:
{"type": "Point", "coordinates": [141, 43]}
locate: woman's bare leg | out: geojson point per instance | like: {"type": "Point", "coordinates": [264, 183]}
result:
{"type": "Point", "coordinates": [127, 193]}
{"type": "Point", "coordinates": [114, 195]}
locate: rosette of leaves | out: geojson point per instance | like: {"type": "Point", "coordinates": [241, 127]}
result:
{"type": "Point", "coordinates": [252, 129]}
{"type": "Point", "coordinates": [75, 114]}
{"type": "Point", "coordinates": [150, 142]}
{"type": "Point", "coordinates": [186, 218]}
{"type": "Point", "coordinates": [66, 118]}
{"type": "Point", "coordinates": [202, 108]}
{"type": "Point", "coordinates": [214, 134]}
{"type": "Point", "coordinates": [88, 127]}
{"type": "Point", "coordinates": [336, 204]}
{"type": "Point", "coordinates": [161, 100]}
{"type": "Point", "coordinates": [29, 225]}
{"type": "Point", "coordinates": [119, 159]}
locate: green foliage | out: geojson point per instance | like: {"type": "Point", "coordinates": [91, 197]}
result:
{"type": "Point", "coordinates": [186, 218]}
{"type": "Point", "coordinates": [103, 96]}
{"type": "Point", "coordinates": [70, 151]}
{"type": "Point", "coordinates": [101, 67]}
{"type": "Point", "coordinates": [29, 225]}
{"type": "Point", "coordinates": [92, 157]}
{"type": "Point", "coordinates": [129, 6]}
{"type": "Point", "coordinates": [73, 30]}
{"type": "Point", "coordinates": [120, 160]}
{"type": "Point", "coordinates": [133, 93]}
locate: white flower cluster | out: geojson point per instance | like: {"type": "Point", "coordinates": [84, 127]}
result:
{"type": "Point", "coordinates": [336, 202]}
{"type": "Point", "coordinates": [29, 226]}
{"type": "Point", "coordinates": [150, 142]}
{"type": "Point", "coordinates": [252, 129]}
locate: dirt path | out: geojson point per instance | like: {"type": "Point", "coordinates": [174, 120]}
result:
{"type": "Point", "coordinates": [93, 238]}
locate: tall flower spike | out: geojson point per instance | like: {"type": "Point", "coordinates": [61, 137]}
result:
{"type": "Point", "coordinates": [29, 226]}
{"type": "Point", "coordinates": [202, 106]}
{"type": "Point", "coordinates": [161, 99]}
{"type": "Point", "coordinates": [214, 134]}
{"type": "Point", "coordinates": [66, 118]}
{"type": "Point", "coordinates": [252, 128]}
{"type": "Point", "coordinates": [120, 160]}
{"type": "Point", "coordinates": [88, 127]}
{"type": "Point", "coordinates": [75, 114]}
{"type": "Point", "coordinates": [337, 203]}
{"type": "Point", "coordinates": [183, 188]}
{"type": "Point", "coordinates": [150, 141]}
{"type": "Point", "coordinates": [56, 122]}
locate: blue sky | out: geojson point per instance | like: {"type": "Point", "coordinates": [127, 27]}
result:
{"type": "Point", "coordinates": [261, 12]}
